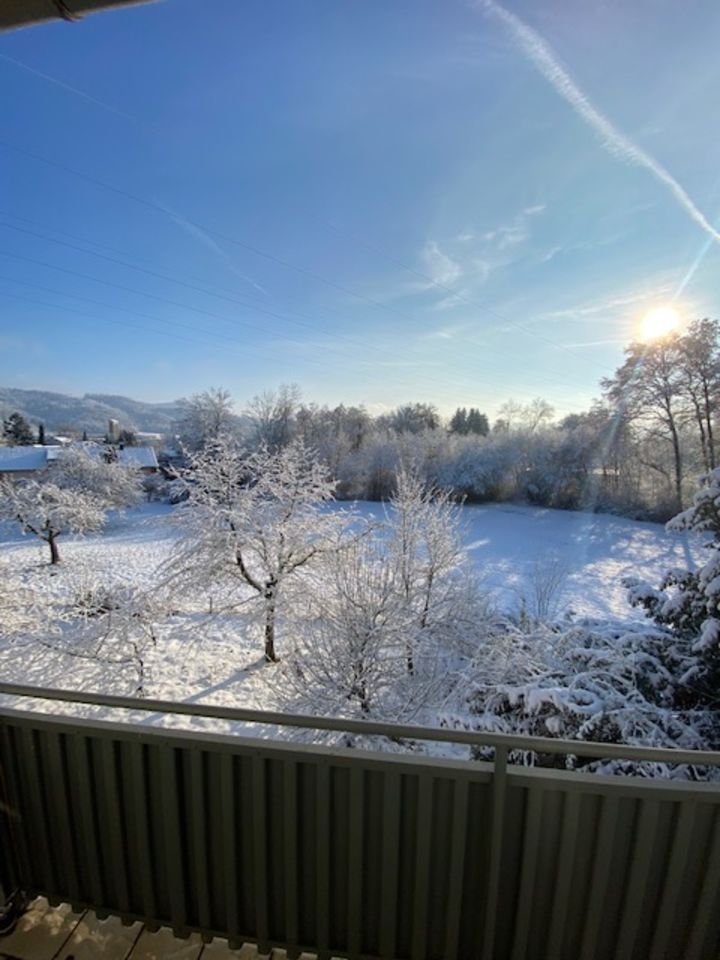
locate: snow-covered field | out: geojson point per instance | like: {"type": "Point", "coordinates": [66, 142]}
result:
{"type": "Point", "coordinates": [509, 543]}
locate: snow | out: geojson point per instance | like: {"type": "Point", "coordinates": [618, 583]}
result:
{"type": "Point", "coordinates": [508, 542]}
{"type": "Point", "coordinates": [140, 457]}
{"type": "Point", "coordinates": [225, 665]}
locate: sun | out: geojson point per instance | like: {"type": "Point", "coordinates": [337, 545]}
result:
{"type": "Point", "coordinates": [659, 322]}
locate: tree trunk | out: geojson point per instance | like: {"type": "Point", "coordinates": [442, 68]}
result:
{"type": "Point", "coordinates": [704, 446]}
{"type": "Point", "coordinates": [409, 659]}
{"type": "Point", "coordinates": [708, 423]}
{"type": "Point", "coordinates": [54, 552]}
{"type": "Point", "coordinates": [426, 604]}
{"type": "Point", "coordinates": [677, 458]}
{"type": "Point", "coordinates": [270, 654]}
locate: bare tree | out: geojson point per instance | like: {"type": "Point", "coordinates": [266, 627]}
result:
{"type": "Point", "coordinates": [272, 415]}
{"type": "Point", "coordinates": [649, 388]}
{"type": "Point", "coordinates": [699, 359]}
{"type": "Point", "coordinates": [209, 416]}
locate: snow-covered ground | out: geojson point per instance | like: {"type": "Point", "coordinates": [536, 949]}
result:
{"type": "Point", "coordinates": [201, 657]}
{"type": "Point", "coordinates": [509, 542]}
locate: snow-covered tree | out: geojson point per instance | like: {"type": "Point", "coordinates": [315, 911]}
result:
{"type": "Point", "coordinates": [48, 511]}
{"type": "Point", "coordinates": [208, 417]}
{"type": "Point", "coordinates": [72, 495]}
{"type": "Point", "coordinates": [111, 483]}
{"type": "Point", "coordinates": [349, 654]}
{"type": "Point", "coordinates": [425, 548]}
{"type": "Point", "coordinates": [272, 416]}
{"type": "Point", "coordinates": [258, 519]}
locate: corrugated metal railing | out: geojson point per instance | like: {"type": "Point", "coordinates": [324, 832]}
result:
{"type": "Point", "coordinates": [355, 853]}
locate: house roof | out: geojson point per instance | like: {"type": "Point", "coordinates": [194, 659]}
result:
{"type": "Point", "coordinates": [17, 459]}
{"type": "Point", "coordinates": [137, 457]}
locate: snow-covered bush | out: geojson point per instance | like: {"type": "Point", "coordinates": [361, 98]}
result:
{"type": "Point", "coordinates": [108, 619]}
{"type": "Point", "coordinates": [687, 602]}
{"type": "Point", "coordinates": [599, 681]}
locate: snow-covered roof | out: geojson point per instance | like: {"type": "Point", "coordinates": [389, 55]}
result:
{"type": "Point", "coordinates": [137, 457]}
{"type": "Point", "coordinates": [17, 459]}
{"type": "Point", "coordinates": [22, 458]}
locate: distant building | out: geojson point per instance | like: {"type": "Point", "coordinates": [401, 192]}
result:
{"type": "Point", "coordinates": [113, 431]}
{"type": "Point", "coordinates": [18, 463]}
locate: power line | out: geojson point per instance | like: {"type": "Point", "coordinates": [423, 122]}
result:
{"type": "Point", "coordinates": [175, 323]}
{"type": "Point", "coordinates": [153, 296]}
{"type": "Point", "coordinates": [259, 252]}
{"type": "Point", "coordinates": [169, 278]}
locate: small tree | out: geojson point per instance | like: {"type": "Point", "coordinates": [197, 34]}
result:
{"type": "Point", "coordinates": [127, 438]}
{"type": "Point", "coordinates": [350, 654]}
{"type": "Point", "coordinates": [16, 429]}
{"type": "Point", "coordinates": [49, 511]}
{"type": "Point", "coordinates": [425, 548]}
{"type": "Point", "coordinates": [259, 519]}
{"type": "Point", "coordinates": [41, 434]}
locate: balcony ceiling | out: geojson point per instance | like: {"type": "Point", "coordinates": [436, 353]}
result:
{"type": "Point", "coordinates": [23, 13]}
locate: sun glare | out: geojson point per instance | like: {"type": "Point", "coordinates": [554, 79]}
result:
{"type": "Point", "coordinates": [659, 322]}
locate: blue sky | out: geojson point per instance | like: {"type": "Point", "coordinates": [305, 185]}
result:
{"type": "Point", "coordinates": [381, 202]}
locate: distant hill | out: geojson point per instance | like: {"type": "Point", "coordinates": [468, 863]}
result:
{"type": "Point", "coordinates": [58, 411]}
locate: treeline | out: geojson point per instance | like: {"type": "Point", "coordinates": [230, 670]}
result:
{"type": "Point", "coordinates": [637, 451]}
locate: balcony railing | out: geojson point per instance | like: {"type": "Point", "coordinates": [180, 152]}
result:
{"type": "Point", "coordinates": [356, 853]}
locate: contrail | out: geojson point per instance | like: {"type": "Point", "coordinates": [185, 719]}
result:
{"type": "Point", "coordinates": [542, 56]}
{"type": "Point", "coordinates": [69, 88]}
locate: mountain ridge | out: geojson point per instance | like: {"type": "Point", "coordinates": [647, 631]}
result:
{"type": "Point", "coordinates": [91, 412]}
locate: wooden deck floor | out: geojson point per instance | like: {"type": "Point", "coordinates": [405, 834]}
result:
{"type": "Point", "coordinates": [46, 933]}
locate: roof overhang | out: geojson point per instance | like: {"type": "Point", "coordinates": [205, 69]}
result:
{"type": "Point", "coordinates": [24, 13]}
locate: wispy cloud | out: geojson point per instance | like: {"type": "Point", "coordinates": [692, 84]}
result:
{"type": "Point", "coordinates": [448, 332]}
{"type": "Point", "coordinates": [514, 231]}
{"type": "Point", "coordinates": [539, 52]}
{"type": "Point", "coordinates": [439, 266]}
